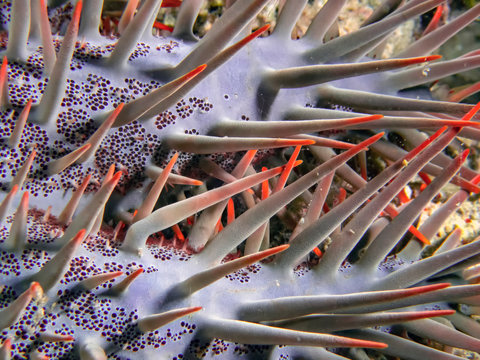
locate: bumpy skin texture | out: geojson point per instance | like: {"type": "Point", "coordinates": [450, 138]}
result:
{"type": "Point", "coordinates": [70, 320]}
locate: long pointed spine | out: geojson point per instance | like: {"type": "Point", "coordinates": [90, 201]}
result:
{"type": "Point", "coordinates": [127, 15]}
{"type": "Point", "coordinates": [54, 269]}
{"type": "Point", "coordinates": [378, 250]}
{"type": "Point", "coordinates": [215, 62]}
{"type": "Point", "coordinates": [442, 333]}
{"type": "Point", "coordinates": [344, 44]}
{"type": "Point", "coordinates": [400, 347]}
{"type": "Point", "coordinates": [22, 173]}
{"type": "Point", "coordinates": [57, 166]}
{"type": "Point", "coordinates": [66, 215]}
{"type": "Point", "coordinates": [16, 134]}
{"type": "Point", "coordinates": [48, 52]}
{"type": "Point", "coordinates": [209, 276]}
{"type": "Point", "coordinates": [55, 90]}
{"type": "Point", "coordinates": [10, 314]}
{"type": "Point", "coordinates": [204, 226]}
{"type": "Point", "coordinates": [438, 37]}
{"type": "Point", "coordinates": [19, 30]}
{"type": "Point", "coordinates": [186, 19]}
{"type": "Point", "coordinates": [155, 321]}
{"type": "Point", "coordinates": [122, 286]}
{"type": "Point", "coordinates": [90, 20]}
{"type": "Point", "coordinates": [17, 238]}
{"type": "Point", "coordinates": [97, 280]}
{"type": "Point", "coordinates": [318, 74]}
{"type": "Point", "coordinates": [153, 172]}
{"type": "Point", "coordinates": [429, 266]}
{"type": "Point", "coordinates": [324, 20]}
{"type": "Point", "coordinates": [6, 202]}
{"type": "Point", "coordinates": [6, 349]}
{"type": "Point", "coordinates": [284, 128]}
{"type": "Point", "coordinates": [249, 221]}
{"type": "Point", "coordinates": [142, 106]}
{"type": "Point", "coordinates": [149, 203]}
{"type": "Point", "coordinates": [297, 306]}
{"type": "Point", "coordinates": [202, 144]}
{"type": "Point", "coordinates": [250, 333]}
{"type": "Point", "coordinates": [353, 231]}
{"type": "Point", "coordinates": [330, 323]}
{"type": "Point", "coordinates": [98, 135]}
{"type": "Point", "coordinates": [132, 34]}
{"type": "Point", "coordinates": [225, 29]}
{"type": "Point", "coordinates": [173, 213]}
{"type": "Point", "coordinates": [366, 100]}
{"type": "Point", "coordinates": [291, 11]}
{"type": "Point", "coordinates": [86, 218]}
{"type": "Point", "coordinates": [413, 77]}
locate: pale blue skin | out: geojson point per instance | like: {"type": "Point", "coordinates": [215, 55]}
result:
{"type": "Point", "coordinates": [238, 79]}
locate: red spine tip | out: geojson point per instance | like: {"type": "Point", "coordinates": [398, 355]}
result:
{"type": "Point", "coordinates": [117, 176]}
{"type": "Point", "coordinates": [25, 197]}
{"type": "Point", "coordinates": [77, 11]}
{"type": "Point", "coordinates": [80, 235]}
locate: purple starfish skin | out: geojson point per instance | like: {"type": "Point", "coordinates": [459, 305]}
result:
{"type": "Point", "coordinates": [93, 259]}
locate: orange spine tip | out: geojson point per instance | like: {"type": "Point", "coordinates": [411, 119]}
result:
{"type": "Point", "coordinates": [178, 232]}
{"type": "Point", "coordinates": [422, 238]}
{"type": "Point", "coordinates": [77, 11]}
{"type": "Point", "coordinates": [230, 211]}
{"type": "Point", "coordinates": [117, 176]}
{"type": "Point", "coordinates": [469, 115]}
{"type": "Point", "coordinates": [423, 145]}
{"type": "Point", "coordinates": [425, 178]}
{"type": "Point", "coordinates": [432, 58]}
{"type": "Point", "coordinates": [427, 288]}
{"type": "Point", "coordinates": [80, 235]}
{"type": "Point", "coordinates": [435, 20]}
{"type": "Point", "coordinates": [194, 72]}
{"type": "Point", "coordinates": [24, 200]}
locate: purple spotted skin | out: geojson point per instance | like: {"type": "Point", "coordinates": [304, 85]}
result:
{"type": "Point", "coordinates": [68, 321]}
